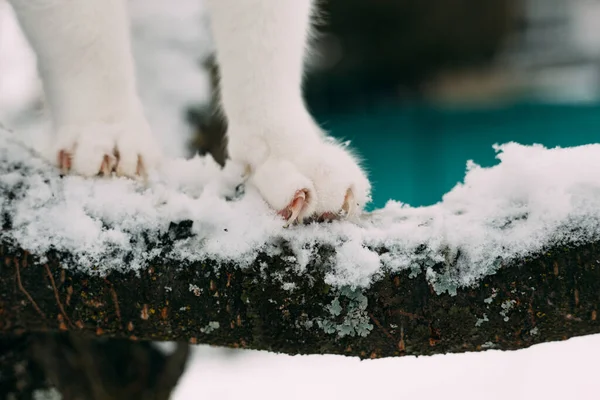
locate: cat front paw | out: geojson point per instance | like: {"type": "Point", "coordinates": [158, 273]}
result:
{"type": "Point", "coordinates": [125, 147]}
{"type": "Point", "coordinates": [324, 182]}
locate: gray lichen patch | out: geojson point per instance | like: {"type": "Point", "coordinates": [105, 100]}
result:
{"type": "Point", "coordinates": [480, 321]}
{"type": "Point", "coordinates": [506, 307]}
{"type": "Point", "coordinates": [212, 325]}
{"type": "Point", "coordinates": [488, 300]}
{"type": "Point", "coordinates": [348, 314]}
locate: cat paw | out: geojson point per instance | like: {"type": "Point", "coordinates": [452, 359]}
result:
{"type": "Point", "coordinates": [323, 183]}
{"type": "Point", "coordinates": [126, 148]}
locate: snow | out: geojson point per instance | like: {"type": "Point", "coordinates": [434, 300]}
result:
{"type": "Point", "coordinates": [555, 189]}
{"type": "Point", "coordinates": [533, 199]}
{"type": "Point", "coordinates": [550, 371]}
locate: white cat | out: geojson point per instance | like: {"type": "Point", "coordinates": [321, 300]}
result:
{"type": "Point", "coordinates": [85, 60]}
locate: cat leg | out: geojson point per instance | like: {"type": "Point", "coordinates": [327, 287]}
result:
{"type": "Point", "coordinates": [297, 169]}
{"type": "Point", "coordinates": [85, 61]}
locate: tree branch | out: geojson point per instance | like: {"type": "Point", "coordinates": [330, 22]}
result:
{"type": "Point", "coordinates": [552, 297]}
{"type": "Point", "coordinates": [148, 292]}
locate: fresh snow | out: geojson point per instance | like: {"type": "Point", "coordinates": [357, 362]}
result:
{"type": "Point", "coordinates": [534, 198]}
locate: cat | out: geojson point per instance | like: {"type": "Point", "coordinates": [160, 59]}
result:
{"type": "Point", "coordinates": [87, 68]}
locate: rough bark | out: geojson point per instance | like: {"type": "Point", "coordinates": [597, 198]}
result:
{"type": "Point", "coordinates": [552, 297]}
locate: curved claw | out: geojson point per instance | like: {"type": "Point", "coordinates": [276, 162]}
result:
{"type": "Point", "coordinates": [108, 165]}
{"type": "Point", "coordinates": [349, 206]}
{"type": "Point", "coordinates": [64, 161]}
{"type": "Point", "coordinates": [293, 210]}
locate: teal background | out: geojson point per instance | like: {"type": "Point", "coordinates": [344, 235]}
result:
{"type": "Point", "coordinates": [417, 153]}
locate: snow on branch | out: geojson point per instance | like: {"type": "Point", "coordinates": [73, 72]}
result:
{"type": "Point", "coordinates": [507, 259]}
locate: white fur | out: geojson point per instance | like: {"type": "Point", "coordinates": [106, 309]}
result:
{"type": "Point", "coordinates": [85, 61]}
{"type": "Point", "coordinates": [84, 58]}
{"type": "Point", "coordinates": [261, 46]}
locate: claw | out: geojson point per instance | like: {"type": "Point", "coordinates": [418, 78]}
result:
{"type": "Point", "coordinates": [64, 162]}
{"type": "Point", "coordinates": [107, 166]}
{"type": "Point", "coordinates": [328, 217]}
{"type": "Point", "coordinates": [140, 171]}
{"type": "Point", "coordinates": [292, 211]}
{"type": "Point", "coordinates": [349, 206]}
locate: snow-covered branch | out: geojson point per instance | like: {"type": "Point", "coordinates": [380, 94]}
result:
{"type": "Point", "coordinates": [266, 306]}
{"type": "Point", "coordinates": [507, 259]}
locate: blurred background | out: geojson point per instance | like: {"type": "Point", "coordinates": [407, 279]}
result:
{"type": "Point", "coordinates": [419, 87]}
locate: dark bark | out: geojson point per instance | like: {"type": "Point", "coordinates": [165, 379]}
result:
{"type": "Point", "coordinates": [552, 297]}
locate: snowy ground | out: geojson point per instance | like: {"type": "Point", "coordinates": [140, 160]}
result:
{"type": "Point", "coordinates": [551, 371]}
{"type": "Point", "coordinates": [168, 42]}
